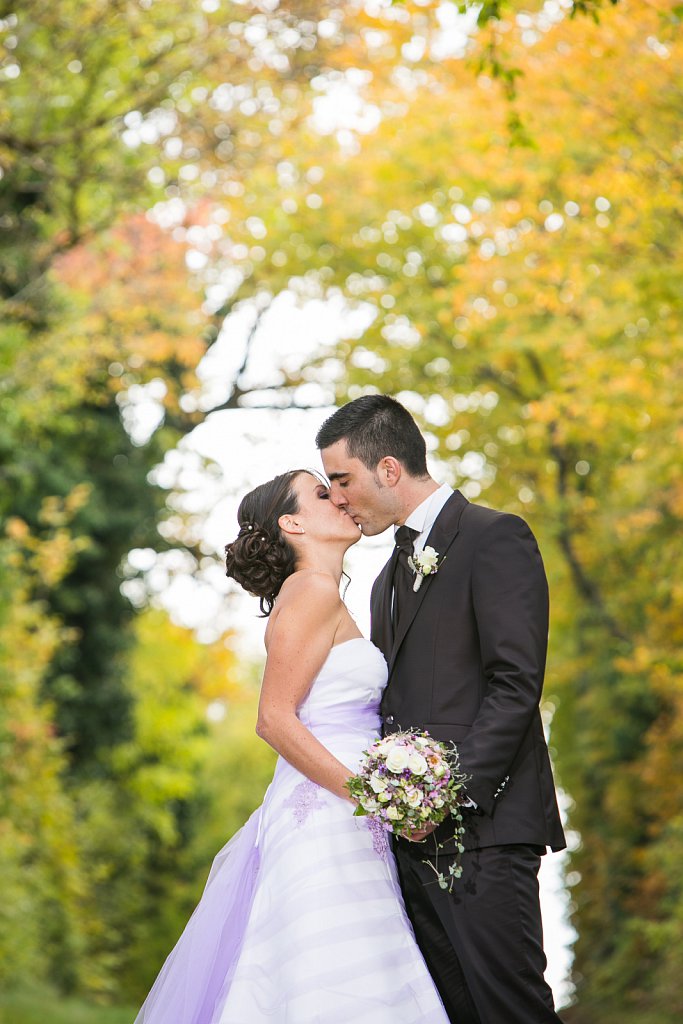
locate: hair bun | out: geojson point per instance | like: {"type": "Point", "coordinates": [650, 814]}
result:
{"type": "Point", "coordinates": [259, 565]}
{"type": "Point", "coordinates": [260, 559]}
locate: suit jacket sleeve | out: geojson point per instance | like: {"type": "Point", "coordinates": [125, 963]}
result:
{"type": "Point", "coordinates": [510, 599]}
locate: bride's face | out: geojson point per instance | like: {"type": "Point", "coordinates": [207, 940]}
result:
{"type": "Point", "coordinates": [319, 517]}
{"type": "Point", "coordinates": [364, 493]}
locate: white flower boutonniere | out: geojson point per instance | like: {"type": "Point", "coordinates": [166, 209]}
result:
{"type": "Point", "coordinates": [424, 563]}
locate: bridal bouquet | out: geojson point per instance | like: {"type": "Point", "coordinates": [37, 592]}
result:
{"type": "Point", "coordinates": [409, 780]}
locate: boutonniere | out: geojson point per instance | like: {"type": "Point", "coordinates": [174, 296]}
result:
{"type": "Point", "coordinates": [425, 563]}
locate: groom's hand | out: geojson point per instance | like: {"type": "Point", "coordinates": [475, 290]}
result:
{"type": "Point", "coordinates": [419, 835]}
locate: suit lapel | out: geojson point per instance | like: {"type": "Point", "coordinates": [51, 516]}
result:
{"type": "Point", "coordinates": [441, 536]}
{"type": "Point", "coordinates": [382, 631]}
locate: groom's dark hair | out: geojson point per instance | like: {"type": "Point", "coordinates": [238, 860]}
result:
{"type": "Point", "coordinates": [373, 427]}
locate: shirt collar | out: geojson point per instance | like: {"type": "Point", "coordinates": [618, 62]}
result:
{"type": "Point", "coordinates": [424, 516]}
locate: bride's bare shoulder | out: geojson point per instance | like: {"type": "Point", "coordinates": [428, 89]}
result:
{"type": "Point", "coordinates": [307, 598]}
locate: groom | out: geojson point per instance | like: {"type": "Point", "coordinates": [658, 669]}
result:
{"type": "Point", "coordinates": [466, 655]}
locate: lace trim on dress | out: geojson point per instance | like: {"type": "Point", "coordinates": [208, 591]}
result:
{"type": "Point", "coordinates": [303, 800]}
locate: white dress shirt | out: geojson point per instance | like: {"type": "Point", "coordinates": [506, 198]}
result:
{"type": "Point", "coordinates": [424, 516]}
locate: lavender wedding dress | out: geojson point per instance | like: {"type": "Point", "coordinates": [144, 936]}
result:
{"type": "Point", "coordinates": [302, 920]}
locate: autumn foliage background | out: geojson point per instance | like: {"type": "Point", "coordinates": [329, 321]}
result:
{"type": "Point", "coordinates": [502, 210]}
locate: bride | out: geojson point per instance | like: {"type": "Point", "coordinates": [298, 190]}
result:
{"type": "Point", "coordinates": [302, 920]}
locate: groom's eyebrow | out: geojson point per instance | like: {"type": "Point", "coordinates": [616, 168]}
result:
{"type": "Point", "coordinates": [335, 476]}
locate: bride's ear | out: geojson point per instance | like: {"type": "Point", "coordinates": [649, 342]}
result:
{"type": "Point", "coordinates": [289, 525]}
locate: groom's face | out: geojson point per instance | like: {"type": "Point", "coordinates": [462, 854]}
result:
{"type": "Point", "coordinates": [363, 493]}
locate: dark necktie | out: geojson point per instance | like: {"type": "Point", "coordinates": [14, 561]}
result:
{"type": "Point", "coordinates": [403, 574]}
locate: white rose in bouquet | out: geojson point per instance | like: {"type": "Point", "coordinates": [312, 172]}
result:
{"type": "Point", "coordinates": [417, 764]}
{"type": "Point", "coordinates": [377, 783]}
{"type": "Point", "coordinates": [370, 805]}
{"type": "Point", "coordinates": [397, 759]}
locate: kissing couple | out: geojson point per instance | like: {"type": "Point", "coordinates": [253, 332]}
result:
{"type": "Point", "coordinates": [313, 914]}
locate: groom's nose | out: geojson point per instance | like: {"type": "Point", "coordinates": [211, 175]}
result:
{"type": "Point", "coordinates": [337, 495]}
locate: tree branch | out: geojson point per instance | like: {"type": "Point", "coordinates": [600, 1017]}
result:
{"type": "Point", "coordinates": [504, 380]}
{"type": "Point", "coordinates": [586, 587]}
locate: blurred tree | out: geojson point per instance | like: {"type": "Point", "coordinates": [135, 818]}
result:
{"type": "Point", "coordinates": [64, 392]}
{"type": "Point", "coordinates": [38, 849]}
{"type": "Point", "coordinates": [106, 103]}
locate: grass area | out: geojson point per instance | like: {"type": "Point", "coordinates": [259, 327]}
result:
{"type": "Point", "coordinates": [47, 1008]}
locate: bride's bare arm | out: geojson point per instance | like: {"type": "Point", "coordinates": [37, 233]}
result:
{"type": "Point", "coordinates": [299, 641]}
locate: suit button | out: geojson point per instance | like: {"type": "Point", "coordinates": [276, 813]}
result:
{"type": "Point", "coordinates": [389, 720]}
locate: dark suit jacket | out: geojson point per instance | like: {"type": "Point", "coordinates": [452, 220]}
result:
{"type": "Point", "coordinates": [467, 665]}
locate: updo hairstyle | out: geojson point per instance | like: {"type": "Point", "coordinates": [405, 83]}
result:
{"type": "Point", "coordinates": [260, 559]}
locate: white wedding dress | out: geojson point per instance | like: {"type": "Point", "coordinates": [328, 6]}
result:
{"type": "Point", "coordinates": [302, 920]}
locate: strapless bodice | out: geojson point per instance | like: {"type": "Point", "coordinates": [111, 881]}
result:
{"type": "Point", "coordinates": [341, 708]}
{"type": "Point", "coordinates": [348, 686]}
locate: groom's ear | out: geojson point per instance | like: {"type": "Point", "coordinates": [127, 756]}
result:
{"type": "Point", "coordinates": [389, 471]}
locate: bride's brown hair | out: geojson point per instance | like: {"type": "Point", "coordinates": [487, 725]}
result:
{"type": "Point", "coordinates": [260, 558]}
